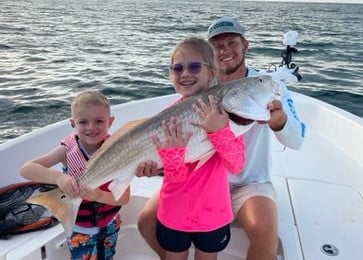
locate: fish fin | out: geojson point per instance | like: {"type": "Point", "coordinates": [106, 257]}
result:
{"type": "Point", "coordinates": [238, 129]}
{"type": "Point", "coordinates": [117, 134]}
{"type": "Point", "coordinates": [128, 126]}
{"type": "Point", "coordinates": [60, 205]}
{"type": "Point", "coordinates": [204, 149]}
{"type": "Point", "coordinates": [119, 186]}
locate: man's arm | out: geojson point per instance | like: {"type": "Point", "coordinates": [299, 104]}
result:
{"type": "Point", "coordinates": [285, 123]}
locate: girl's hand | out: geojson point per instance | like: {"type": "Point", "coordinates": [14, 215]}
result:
{"type": "Point", "coordinates": [173, 135]}
{"type": "Point", "coordinates": [213, 116]}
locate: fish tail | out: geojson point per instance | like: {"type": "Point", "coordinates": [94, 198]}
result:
{"type": "Point", "coordinates": [119, 186]}
{"type": "Point", "coordinates": [60, 205]}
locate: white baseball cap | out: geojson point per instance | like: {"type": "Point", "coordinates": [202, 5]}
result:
{"type": "Point", "coordinates": [225, 24]}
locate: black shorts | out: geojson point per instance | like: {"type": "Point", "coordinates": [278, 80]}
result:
{"type": "Point", "coordinates": [179, 241]}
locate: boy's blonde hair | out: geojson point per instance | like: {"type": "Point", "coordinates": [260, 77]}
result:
{"type": "Point", "coordinates": [90, 97]}
{"type": "Point", "coordinates": [198, 44]}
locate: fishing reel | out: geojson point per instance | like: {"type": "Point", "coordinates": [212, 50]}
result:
{"type": "Point", "coordinates": [290, 40]}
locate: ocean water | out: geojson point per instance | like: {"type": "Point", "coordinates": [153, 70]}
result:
{"type": "Point", "coordinates": [52, 49]}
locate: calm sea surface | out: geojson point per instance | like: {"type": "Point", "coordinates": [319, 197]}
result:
{"type": "Point", "coordinates": [52, 49]}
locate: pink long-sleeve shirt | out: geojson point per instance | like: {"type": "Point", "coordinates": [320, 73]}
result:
{"type": "Point", "coordinates": [198, 199]}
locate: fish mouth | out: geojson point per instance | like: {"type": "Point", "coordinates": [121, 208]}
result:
{"type": "Point", "coordinates": [240, 120]}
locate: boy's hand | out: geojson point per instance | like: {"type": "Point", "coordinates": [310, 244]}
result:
{"type": "Point", "coordinates": [87, 193]}
{"type": "Point", "coordinates": [68, 185]}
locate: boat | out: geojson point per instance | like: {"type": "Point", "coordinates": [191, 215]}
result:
{"type": "Point", "coordinates": [319, 188]}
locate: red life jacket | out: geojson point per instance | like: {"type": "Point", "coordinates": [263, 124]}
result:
{"type": "Point", "coordinates": [90, 213]}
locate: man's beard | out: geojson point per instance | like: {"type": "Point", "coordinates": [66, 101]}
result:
{"type": "Point", "coordinates": [229, 71]}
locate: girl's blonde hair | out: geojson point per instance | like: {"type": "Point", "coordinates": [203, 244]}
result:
{"type": "Point", "coordinates": [198, 44]}
{"type": "Point", "coordinates": [90, 97]}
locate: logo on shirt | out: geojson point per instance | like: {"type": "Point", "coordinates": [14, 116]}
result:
{"type": "Point", "coordinates": [224, 239]}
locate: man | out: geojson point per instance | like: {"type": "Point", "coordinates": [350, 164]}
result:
{"type": "Point", "coordinates": [252, 193]}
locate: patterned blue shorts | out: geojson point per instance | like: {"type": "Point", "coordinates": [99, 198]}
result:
{"type": "Point", "coordinates": [100, 246]}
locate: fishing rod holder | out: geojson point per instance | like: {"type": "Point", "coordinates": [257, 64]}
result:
{"type": "Point", "coordinates": [290, 39]}
{"type": "Point", "coordinates": [287, 57]}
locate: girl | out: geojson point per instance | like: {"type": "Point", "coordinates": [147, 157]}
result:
{"type": "Point", "coordinates": [194, 205]}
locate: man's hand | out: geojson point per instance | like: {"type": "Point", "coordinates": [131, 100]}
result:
{"type": "Point", "coordinates": [278, 116]}
{"type": "Point", "coordinates": [147, 169]}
